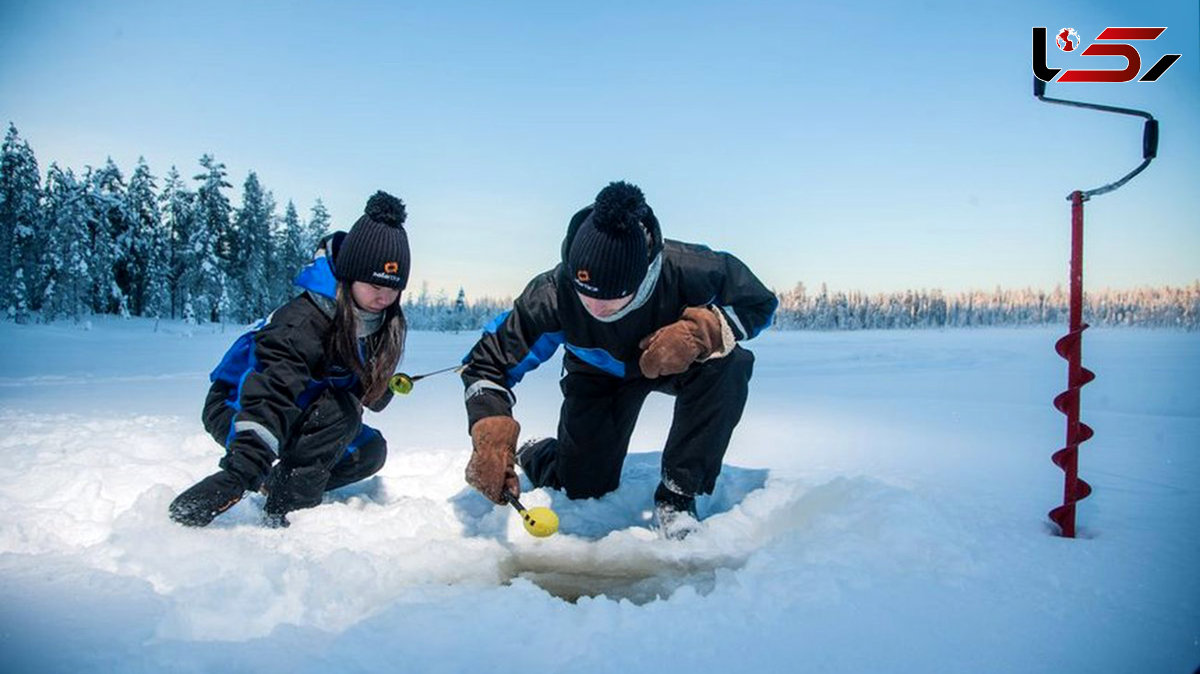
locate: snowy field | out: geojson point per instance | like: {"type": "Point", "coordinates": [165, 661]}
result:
{"type": "Point", "coordinates": [882, 509]}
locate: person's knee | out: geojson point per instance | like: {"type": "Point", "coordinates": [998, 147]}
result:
{"type": "Point", "coordinates": [365, 457]}
{"type": "Point", "coordinates": [372, 455]}
{"type": "Point", "coordinates": [728, 376]}
{"type": "Point", "coordinates": [589, 478]}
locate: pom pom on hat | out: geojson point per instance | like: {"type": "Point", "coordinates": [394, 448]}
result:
{"type": "Point", "coordinates": [383, 207]}
{"type": "Point", "coordinates": [376, 249]}
{"type": "Point", "coordinates": [619, 207]}
{"type": "Point", "coordinates": [609, 255]}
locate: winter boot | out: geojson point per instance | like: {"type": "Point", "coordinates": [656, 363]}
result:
{"type": "Point", "coordinates": [674, 514]}
{"type": "Point", "coordinates": [203, 501]}
{"type": "Point", "coordinates": [536, 459]}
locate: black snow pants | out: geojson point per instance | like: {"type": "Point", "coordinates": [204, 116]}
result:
{"type": "Point", "coordinates": [599, 413]}
{"type": "Point", "coordinates": [328, 447]}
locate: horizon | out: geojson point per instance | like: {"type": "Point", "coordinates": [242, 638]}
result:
{"type": "Point", "coordinates": [897, 163]}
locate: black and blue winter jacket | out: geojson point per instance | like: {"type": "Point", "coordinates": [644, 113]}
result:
{"type": "Point", "coordinates": [271, 373]}
{"type": "Point", "coordinates": [549, 314]}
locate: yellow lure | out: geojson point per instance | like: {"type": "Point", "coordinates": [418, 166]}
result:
{"type": "Point", "coordinates": [539, 521]}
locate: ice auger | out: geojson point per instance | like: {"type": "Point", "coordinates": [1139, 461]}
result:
{"type": "Point", "coordinates": [1070, 345]}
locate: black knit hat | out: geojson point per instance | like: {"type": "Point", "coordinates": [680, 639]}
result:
{"type": "Point", "coordinates": [609, 255]}
{"type": "Point", "coordinates": [376, 249]}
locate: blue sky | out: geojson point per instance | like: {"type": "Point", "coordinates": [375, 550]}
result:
{"type": "Point", "coordinates": [868, 145]}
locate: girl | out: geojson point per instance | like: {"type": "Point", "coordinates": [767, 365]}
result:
{"type": "Point", "coordinates": [286, 400]}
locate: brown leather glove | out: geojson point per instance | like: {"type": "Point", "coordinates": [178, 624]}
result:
{"type": "Point", "coordinates": [490, 469]}
{"type": "Point", "coordinates": [673, 348]}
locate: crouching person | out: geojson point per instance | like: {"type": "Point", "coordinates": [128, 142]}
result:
{"type": "Point", "coordinates": [636, 314]}
{"type": "Point", "coordinates": [286, 400]}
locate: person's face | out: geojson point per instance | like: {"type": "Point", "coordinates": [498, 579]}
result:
{"type": "Point", "coordinates": [373, 298]}
{"type": "Point", "coordinates": [603, 308]}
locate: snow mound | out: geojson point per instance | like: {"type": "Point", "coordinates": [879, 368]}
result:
{"type": "Point", "coordinates": [99, 490]}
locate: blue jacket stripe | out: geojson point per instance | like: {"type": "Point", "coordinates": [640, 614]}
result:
{"type": "Point", "coordinates": [236, 403]}
{"type": "Point", "coordinates": [542, 350]}
{"type": "Point", "coordinates": [599, 358]}
{"type": "Point", "coordinates": [495, 323]}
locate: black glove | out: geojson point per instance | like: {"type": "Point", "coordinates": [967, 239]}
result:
{"type": "Point", "coordinates": [203, 501]}
{"type": "Point", "coordinates": [291, 488]}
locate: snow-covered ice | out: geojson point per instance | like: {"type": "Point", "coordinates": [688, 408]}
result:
{"type": "Point", "coordinates": [882, 509]}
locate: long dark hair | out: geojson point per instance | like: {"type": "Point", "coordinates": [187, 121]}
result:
{"type": "Point", "coordinates": [382, 352]}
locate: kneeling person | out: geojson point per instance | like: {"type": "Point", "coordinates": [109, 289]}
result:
{"type": "Point", "coordinates": [636, 314]}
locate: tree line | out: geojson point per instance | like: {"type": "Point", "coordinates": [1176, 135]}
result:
{"type": "Point", "coordinates": [1164, 307]}
{"type": "Point", "coordinates": [95, 242]}
{"type": "Point", "coordinates": [87, 243]}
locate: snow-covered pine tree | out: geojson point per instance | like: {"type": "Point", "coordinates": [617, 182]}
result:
{"type": "Point", "coordinates": [292, 252]}
{"type": "Point", "coordinates": [20, 227]}
{"type": "Point", "coordinates": [107, 220]}
{"type": "Point", "coordinates": [459, 319]}
{"type": "Point", "coordinates": [52, 264]}
{"type": "Point", "coordinates": [66, 257]}
{"type": "Point", "coordinates": [249, 254]}
{"type": "Point", "coordinates": [417, 310]}
{"type": "Point", "coordinates": [226, 304]}
{"type": "Point", "coordinates": [144, 264]}
{"type": "Point", "coordinates": [318, 226]}
{"type": "Point", "coordinates": [210, 243]}
{"type": "Point", "coordinates": [203, 282]}
{"type": "Point", "coordinates": [158, 300]}
{"type": "Point", "coordinates": [7, 215]}
{"type": "Point", "coordinates": [178, 220]}
{"type": "Point", "coordinates": [122, 227]}
{"type": "Point", "coordinates": [273, 285]}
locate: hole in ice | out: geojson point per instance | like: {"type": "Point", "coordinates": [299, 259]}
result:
{"type": "Point", "coordinates": [639, 584]}
{"type": "Point", "coordinates": [605, 547]}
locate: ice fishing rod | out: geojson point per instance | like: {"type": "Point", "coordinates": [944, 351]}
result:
{"type": "Point", "coordinates": [539, 521]}
{"type": "Point", "coordinates": [1070, 345]}
{"type": "Point", "coordinates": [402, 383]}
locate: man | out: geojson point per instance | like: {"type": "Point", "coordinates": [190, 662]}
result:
{"type": "Point", "coordinates": [636, 314]}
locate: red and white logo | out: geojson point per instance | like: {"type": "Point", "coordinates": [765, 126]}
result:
{"type": "Point", "coordinates": [1112, 41]}
{"type": "Point", "coordinates": [1067, 39]}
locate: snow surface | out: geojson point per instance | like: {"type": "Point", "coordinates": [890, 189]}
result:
{"type": "Point", "coordinates": [882, 509]}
